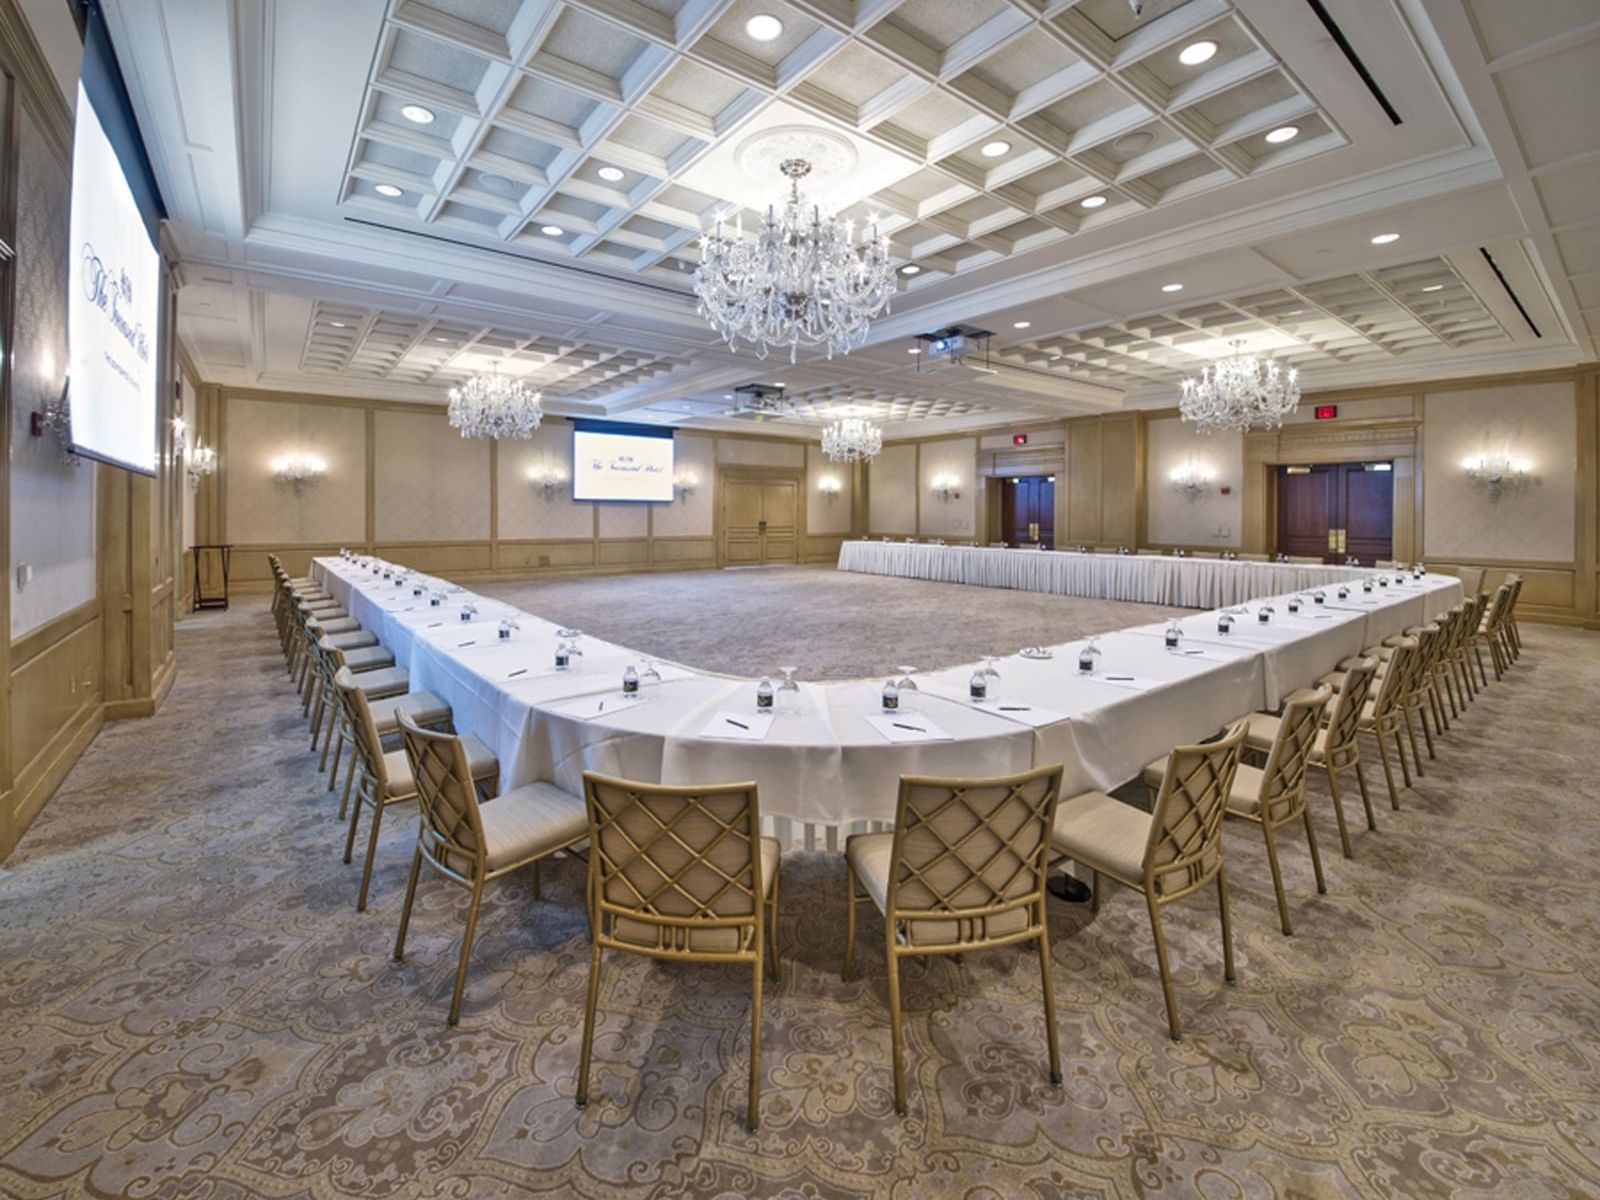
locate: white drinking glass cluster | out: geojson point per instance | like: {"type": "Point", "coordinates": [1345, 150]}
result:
{"type": "Point", "coordinates": [1240, 393]}
{"type": "Point", "coordinates": [801, 281]}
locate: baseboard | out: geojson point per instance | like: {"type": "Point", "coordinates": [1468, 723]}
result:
{"type": "Point", "coordinates": [37, 781]}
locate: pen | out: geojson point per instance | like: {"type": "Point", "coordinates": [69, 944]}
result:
{"type": "Point", "coordinates": [740, 724]}
{"type": "Point", "coordinates": [602, 707]}
{"type": "Point", "coordinates": [913, 728]}
{"type": "Point", "coordinates": [1015, 708]}
{"type": "Point", "coordinates": [1194, 651]}
{"type": "Point", "coordinates": [436, 625]}
{"type": "Point", "coordinates": [1119, 678]}
{"type": "Point", "coordinates": [518, 671]}
{"type": "Point", "coordinates": [468, 642]}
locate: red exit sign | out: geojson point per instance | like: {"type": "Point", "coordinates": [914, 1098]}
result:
{"type": "Point", "coordinates": [1019, 439]}
{"type": "Point", "coordinates": [1326, 412]}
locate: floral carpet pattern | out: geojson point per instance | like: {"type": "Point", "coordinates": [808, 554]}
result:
{"type": "Point", "coordinates": [194, 1008]}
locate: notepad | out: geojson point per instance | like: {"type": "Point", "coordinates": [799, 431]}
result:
{"type": "Point", "coordinates": [1016, 710]}
{"type": "Point", "coordinates": [907, 727]}
{"type": "Point", "coordinates": [590, 707]}
{"type": "Point", "coordinates": [1121, 679]}
{"type": "Point", "coordinates": [738, 727]}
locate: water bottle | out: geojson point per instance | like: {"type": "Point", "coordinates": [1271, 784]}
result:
{"type": "Point", "coordinates": [1344, 593]}
{"type": "Point", "coordinates": [979, 687]}
{"type": "Point", "coordinates": [437, 600]}
{"type": "Point", "coordinates": [1294, 604]}
{"type": "Point", "coordinates": [1264, 614]}
{"type": "Point", "coordinates": [1174, 634]}
{"type": "Point", "coordinates": [505, 630]}
{"type": "Point", "coordinates": [1366, 585]}
{"type": "Point", "coordinates": [764, 695]}
{"type": "Point", "coordinates": [630, 681]}
{"type": "Point", "coordinates": [563, 656]}
{"type": "Point", "coordinates": [1224, 623]}
{"type": "Point", "coordinates": [891, 696]}
{"type": "Point", "coordinates": [1086, 656]}
{"type": "Point", "coordinates": [1319, 598]}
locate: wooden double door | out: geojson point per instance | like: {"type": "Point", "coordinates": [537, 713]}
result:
{"type": "Point", "coordinates": [1337, 510]}
{"type": "Point", "coordinates": [1028, 510]}
{"type": "Point", "coordinates": [760, 520]}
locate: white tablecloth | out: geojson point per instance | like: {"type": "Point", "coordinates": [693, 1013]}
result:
{"type": "Point", "coordinates": [825, 763]}
{"type": "Point", "coordinates": [1147, 579]}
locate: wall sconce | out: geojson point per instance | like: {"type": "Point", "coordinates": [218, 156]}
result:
{"type": "Point", "coordinates": [200, 462]}
{"type": "Point", "coordinates": [55, 418]}
{"type": "Point", "coordinates": [1495, 473]}
{"type": "Point", "coordinates": [828, 485]}
{"type": "Point", "coordinates": [547, 477]}
{"type": "Point", "coordinates": [686, 484]}
{"type": "Point", "coordinates": [947, 487]}
{"type": "Point", "coordinates": [1191, 481]}
{"type": "Point", "coordinates": [299, 469]}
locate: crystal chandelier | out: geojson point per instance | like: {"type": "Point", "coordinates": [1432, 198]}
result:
{"type": "Point", "coordinates": [852, 439]}
{"type": "Point", "coordinates": [1240, 393]}
{"type": "Point", "coordinates": [495, 406]}
{"type": "Point", "coordinates": [800, 282]}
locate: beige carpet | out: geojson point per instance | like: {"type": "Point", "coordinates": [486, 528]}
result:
{"type": "Point", "coordinates": [831, 624]}
{"type": "Point", "coordinates": [193, 1007]}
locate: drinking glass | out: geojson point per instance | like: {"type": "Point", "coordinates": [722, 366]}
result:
{"type": "Point", "coordinates": [907, 687]}
{"type": "Point", "coordinates": [649, 675]}
{"type": "Point", "coordinates": [992, 674]}
{"type": "Point", "coordinates": [788, 690]}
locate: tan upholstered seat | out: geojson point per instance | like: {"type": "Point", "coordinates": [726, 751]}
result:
{"type": "Point", "coordinates": [963, 870]}
{"type": "Point", "coordinates": [384, 682]}
{"type": "Point", "coordinates": [680, 873]}
{"type": "Point", "coordinates": [338, 625]}
{"type": "Point", "coordinates": [424, 709]}
{"type": "Point", "coordinates": [353, 639]}
{"type": "Point", "coordinates": [397, 770]}
{"type": "Point", "coordinates": [366, 658]}
{"type": "Point", "coordinates": [1167, 853]}
{"type": "Point", "coordinates": [469, 842]}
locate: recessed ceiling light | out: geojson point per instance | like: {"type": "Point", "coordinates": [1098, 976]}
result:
{"type": "Point", "coordinates": [763, 27]}
{"type": "Point", "coordinates": [1434, 287]}
{"type": "Point", "coordinates": [1283, 133]}
{"type": "Point", "coordinates": [610, 174]}
{"type": "Point", "coordinates": [1020, 324]}
{"type": "Point", "coordinates": [443, 339]}
{"type": "Point", "coordinates": [1172, 287]}
{"type": "Point", "coordinates": [388, 189]}
{"type": "Point", "coordinates": [727, 395]}
{"type": "Point", "coordinates": [915, 350]}
{"type": "Point", "coordinates": [415, 112]}
{"type": "Point", "coordinates": [1383, 239]}
{"type": "Point", "coordinates": [995, 149]}
{"type": "Point", "coordinates": [777, 383]}
{"type": "Point", "coordinates": [1092, 201]}
{"type": "Point", "coordinates": [1196, 53]}
{"type": "Point", "coordinates": [551, 230]}
{"type": "Point", "coordinates": [910, 269]}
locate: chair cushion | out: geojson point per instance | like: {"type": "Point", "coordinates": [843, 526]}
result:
{"type": "Point", "coordinates": [367, 658]}
{"type": "Point", "coordinates": [1261, 732]}
{"type": "Point", "coordinates": [531, 821]}
{"type": "Point", "coordinates": [1103, 834]}
{"type": "Point", "coordinates": [381, 684]}
{"type": "Point", "coordinates": [1245, 798]}
{"type": "Point", "coordinates": [480, 761]}
{"type": "Point", "coordinates": [1155, 772]}
{"type": "Point", "coordinates": [723, 940]}
{"type": "Point", "coordinates": [337, 624]}
{"type": "Point", "coordinates": [353, 639]}
{"type": "Point", "coordinates": [870, 857]}
{"type": "Point", "coordinates": [424, 708]}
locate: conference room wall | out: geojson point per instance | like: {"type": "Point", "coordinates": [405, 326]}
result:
{"type": "Point", "coordinates": [892, 491]}
{"type": "Point", "coordinates": [828, 517]}
{"type": "Point", "coordinates": [261, 507]}
{"type": "Point", "coordinates": [948, 459]}
{"type": "Point", "coordinates": [1211, 518]}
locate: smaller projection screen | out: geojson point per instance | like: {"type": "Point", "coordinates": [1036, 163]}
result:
{"type": "Point", "coordinates": [621, 462]}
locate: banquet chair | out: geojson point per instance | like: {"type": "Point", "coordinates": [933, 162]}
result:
{"type": "Point", "coordinates": [1508, 621]}
{"type": "Point", "coordinates": [1384, 714]}
{"type": "Point", "coordinates": [1206, 554]}
{"type": "Point", "coordinates": [1471, 580]}
{"type": "Point", "coordinates": [1274, 795]}
{"type": "Point", "coordinates": [1461, 649]}
{"type": "Point", "coordinates": [1146, 552]}
{"type": "Point", "coordinates": [384, 777]}
{"type": "Point", "coordinates": [680, 874]}
{"type": "Point", "coordinates": [1488, 634]}
{"type": "Point", "coordinates": [471, 843]}
{"type": "Point", "coordinates": [359, 658]}
{"type": "Point", "coordinates": [1385, 564]}
{"type": "Point", "coordinates": [963, 869]}
{"type": "Point", "coordinates": [1168, 853]}
{"type": "Point", "coordinates": [334, 620]}
{"type": "Point", "coordinates": [1306, 560]}
{"type": "Point", "coordinates": [1419, 697]}
{"type": "Point", "coordinates": [1338, 746]}
{"type": "Point", "coordinates": [1245, 556]}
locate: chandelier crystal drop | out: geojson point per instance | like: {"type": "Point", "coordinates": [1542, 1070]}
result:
{"type": "Point", "coordinates": [1240, 393]}
{"type": "Point", "coordinates": [495, 406]}
{"type": "Point", "coordinates": [800, 282]}
{"type": "Point", "coordinates": [852, 439]}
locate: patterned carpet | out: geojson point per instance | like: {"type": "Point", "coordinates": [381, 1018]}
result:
{"type": "Point", "coordinates": [193, 1007]}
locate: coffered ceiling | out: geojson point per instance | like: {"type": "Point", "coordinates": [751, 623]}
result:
{"type": "Point", "coordinates": [544, 213]}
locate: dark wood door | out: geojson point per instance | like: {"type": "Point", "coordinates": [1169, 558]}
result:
{"type": "Point", "coordinates": [1336, 510]}
{"type": "Point", "coordinates": [1028, 510]}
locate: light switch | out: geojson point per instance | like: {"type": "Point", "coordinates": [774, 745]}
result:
{"type": "Point", "coordinates": [24, 575]}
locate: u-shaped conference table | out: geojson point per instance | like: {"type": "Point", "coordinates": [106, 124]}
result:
{"type": "Point", "coordinates": [835, 759]}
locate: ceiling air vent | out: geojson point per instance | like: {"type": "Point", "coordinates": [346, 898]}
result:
{"type": "Point", "coordinates": [1505, 283]}
{"type": "Point", "coordinates": [1354, 60]}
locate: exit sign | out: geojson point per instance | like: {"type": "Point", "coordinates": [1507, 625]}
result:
{"type": "Point", "coordinates": [1327, 412]}
{"type": "Point", "coordinates": [1019, 439]}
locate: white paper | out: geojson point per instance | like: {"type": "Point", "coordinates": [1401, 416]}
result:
{"type": "Point", "coordinates": [1121, 679]}
{"type": "Point", "coordinates": [907, 727]}
{"type": "Point", "coordinates": [739, 727]}
{"type": "Point", "coordinates": [590, 707]}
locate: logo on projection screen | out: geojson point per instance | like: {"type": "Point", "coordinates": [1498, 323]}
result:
{"type": "Point", "coordinates": [113, 306]}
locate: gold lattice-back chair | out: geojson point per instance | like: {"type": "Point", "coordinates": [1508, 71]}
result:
{"type": "Point", "coordinates": [1461, 648]}
{"type": "Point", "coordinates": [1166, 854]}
{"type": "Point", "coordinates": [1489, 633]}
{"type": "Point", "coordinates": [1275, 795]}
{"type": "Point", "coordinates": [1339, 748]}
{"type": "Point", "coordinates": [469, 842]}
{"type": "Point", "coordinates": [964, 869]}
{"type": "Point", "coordinates": [384, 776]}
{"type": "Point", "coordinates": [680, 874]}
{"type": "Point", "coordinates": [1384, 714]}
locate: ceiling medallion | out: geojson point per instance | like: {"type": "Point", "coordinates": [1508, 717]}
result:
{"type": "Point", "coordinates": [495, 406]}
{"type": "Point", "coordinates": [799, 282]}
{"type": "Point", "coordinates": [852, 439]}
{"type": "Point", "coordinates": [1240, 393]}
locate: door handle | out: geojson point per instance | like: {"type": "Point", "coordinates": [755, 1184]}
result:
{"type": "Point", "coordinates": [1333, 541]}
{"type": "Point", "coordinates": [761, 525]}
{"type": "Point", "coordinates": [1342, 534]}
